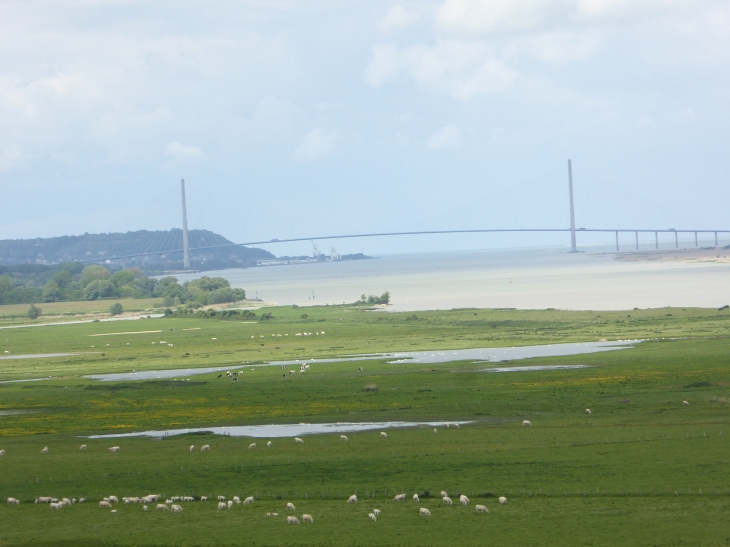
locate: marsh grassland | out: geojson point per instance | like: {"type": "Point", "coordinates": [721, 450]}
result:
{"type": "Point", "coordinates": [641, 469]}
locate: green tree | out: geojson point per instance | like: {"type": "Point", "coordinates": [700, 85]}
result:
{"type": "Point", "coordinates": [52, 292]}
{"type": "Point", "coordinates": [305, 316]}
{"type": "Point", "coordinates": [122, 278]}
{"type": "Point", "coordinates": [93, 273]}
{"type": "Point", "coordinates": [33, 312]}
{"type": "Point", "coordinates": [116, 309]}
{"type": "Point", "coordinates": [62, 279]}
{"type": "Point", "coordinates": [98, 289]}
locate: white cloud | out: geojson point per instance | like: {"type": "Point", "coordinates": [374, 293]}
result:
{"type": "Point", "coordinates": [462, 69]}
{"type": "Point", "coordinates": [446, 138]}
{"type": "Point", "coordinates": [398, 18]}
{"type": "Point", "coordinates": [315, 144]}
{"type": "Point", "coordinates": [556, 47]}
{"type": "Point", "coordinates": [491, 16]}
{"type": "Point", "coordinates": [184, 151]}
{"type": "Point", "coordinates": [10, 157]}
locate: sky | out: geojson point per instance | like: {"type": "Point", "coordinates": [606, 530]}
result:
{"type": "Point", "coordinates": [305, 118]}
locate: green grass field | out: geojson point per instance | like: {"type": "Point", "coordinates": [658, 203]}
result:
{"type": "Point", "coordinates": [642, 469]}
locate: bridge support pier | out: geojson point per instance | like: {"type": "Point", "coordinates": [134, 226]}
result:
{"type": "Point", "coordinates": [715, 239]}
{"type": "Point", "coordinates": [676, 240]}
{"type": "Point", "coordinates": [656, 239]}
{"type": "Point", "coordinates": [696, 245]}
{"type": "Point", "coordinates": [617, 240]}
{"type": "Point", "coordinates": [573, 248]}
{"type": "Point", "coordinates": [637, 240]}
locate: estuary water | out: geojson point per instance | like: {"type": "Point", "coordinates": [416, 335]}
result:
{"type": "Point", "coordinates": [279, 430]}
{"type": "Point", "coordinates": [416, 357]}
{"type": "Point", "coordinates": [523, 279]}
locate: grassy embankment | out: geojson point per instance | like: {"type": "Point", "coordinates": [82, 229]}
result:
{"type": "Point", "coordinates": [642, 469]}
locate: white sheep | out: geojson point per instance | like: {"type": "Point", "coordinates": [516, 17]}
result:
{"type": "Point", "coordinates": [177, 508]}
{"type": "Point", "coordinates": [82, 500]}
{"type": "Point", "coordinates": [482, 509]}
{"type": "Point", "coordinates": [13, 501]}
{"type": "Point", "coordinates": [685, 403]}
{"type": "Point", "coordinates": [192, 447]}
{"type": "Point", "coordinates": [105, 504]}
{"type": "Point", "coordinates": [424, 512]}
{"type": "Point", "coordinates": [352, 499]}
{"type": "Point", "coordinates": [444, 493]}
{"type": "Point", "coordinates": [307, 518]}
{"type": "Point", "coordinates": [588, 411]}
{"type": "Point", "coordinates": [372, 517]}
{"type": "Point", "coordinates": [526, 423]}
{"type": "Point", "coordinates": [435, 430]}
{"type": "Point", "coordinates": [455, 426]}
{"type": "Point", "coordinates": [343, 437]}
{"type": "Point", "coordinates": [297, 440]}
{"type": "Point", "coordinates": [221, 505]}
{"type": "Point", "coordinates": [464, 500]}
{"type": "Point", "coordinates": [230, 504]}
{"type": "Point", "coordinates": [58, 505]}
{"type": "Point", "coordinates": [236, 500]}
{"type": "Point", "coordinates": [416, 498]}
{"type": "Point", "coordinates": [45, 450]}
{"type": "Point", "coordinates": [292, 520]}
{"type": "Point", "coordinates": [161, 507]}
{"type": "Point", "coordinates": [113, 449]}
{"type": "Point", "coordinates": [400, 497]}
{"type": "Point", "coordinates": [2, 452]}
{"type": "Point", "coordinates": [447, 500]}
{"type": "Point", "coordinates": [188, 498]}
{"type": "Point", "coordinates": [144, 508]}
{"type": "Point", "coordinates": [82, 447]}
{"type": "Point", "coordinates": [214, 338]}
{"type": "Point", "coordinates": [502, 500]}
{"type": "Point", "coordinates": [113, 499]}
{"type": "Point", "coordinates": [248, 500]}
{"type": "Point", "coordinates": [377, 511]}
{"type": "Point", "coordinates": [205, 448]}
{"type": "Point", "coordinates": [291, 507]}
{"type": "Point", "coordinates": [251, 446]}
{"type": "Point", "coordinates": [221, 498]}
{"type": "Point", "coordinates": [203, 498]}
{"type": "Point", "coordinates": [268, 445]}
{"type": "Point", "coordinates": [383, 434]}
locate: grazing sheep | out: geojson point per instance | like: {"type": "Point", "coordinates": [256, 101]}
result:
{"type": "Point", "coordinates": [113, 449]}
{"type": "Point", "coordinates": [82, 447]}
{"type": "Point", "coordinates": [416, 498]}
{"type": "Point", "coordinates": [268, 445]}
{"type": "Point", "coordinates": [588, 410]}
{"type": "Point", "coordinates": [424, 512]}
{"type": "Point", "coordinates": [203, 498]}
{"type": "Point", "coordinates": [435, 430]}
{"type": "Point", "coordinates": [248, 500]}
{"type": "Point", "coordinates": [291, 507]}
{"type": "Point", "coordinates": [113, 499]}
{"type": "Point", "coordinates": [59, 505]}
{"type": "Point", "coordinates": [252, 445]}
{"type": "Point", "coordinates": [45, 450]}
{"type": "Point", "coordinates": [455, 426]}
{"type": "Point", "coordinates": [343, 437]}
{"type": "Point", "coordinates": [400, 497]}
{"type": "Point", "coordinates": [482, 509]}
{"type": "Point", "coordinates": [188, 498]}
{"type": "Point", "coordinates": [307, 518]}
{"type": "Point", "coordinates": [444, 493]}
{"type": "Point", "coordinates": [105, 504]}
{"type": "Point", "coordinates": [192, 447]}
{"type": "Point", "coordinates": [230, 504]}
{"type": "Point", "coordinates": [685, 403]}
{"type": "Point", "coordinates": [526, 423]}
{"type": "Point", "coordinates": [177, 508]}
{"type": "Point", "coordinates": [377, 511]}
{"type": "Point", "coordinates": [383, 434]}
{"type": "Point", "coordinates": [214, 338]}
{"type": "Point", "coordinates": [236, 500]}
{"type": "Point", "coordinates": [205, 448]}
{"type": "Point", "coordinates": [372, 517]}
{"type": "Point", "coordinates": [82, 500]}
{"type": "Point", "coordinates": [160, 507]}
{"type": "Point", "coordinates": [144, 508]}
{"type": "Point", "coordinates": [292, 520]}
{"type": "Point", "coordinates": [2, 452]}
{"type": "Point", "coordinates": [464, 500]}
{"type": "Point", "coordinates": [13, 501]}
{"type": "Point", "coordinates": [502, 500]}
{"type": "Point", "coordinates": [221, 498]}
{"type": "Point", "coordinates": [352, 499]}
{"type": "Point", "coordinates": [221, 505]}
{"type": "Point", "coordinates": [297, 440]}
{"type": "Point", "coordinates": [168, 502]}
{"type": "Point", "coordinates": [447, 500]}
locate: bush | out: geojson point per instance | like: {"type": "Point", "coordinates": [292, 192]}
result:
{"type": "Point", "coordinates": [101, 288]}
{"type": "Point", "coordinates": [115, 309]}
{"type": "Point", "coordinates": [34, 312]}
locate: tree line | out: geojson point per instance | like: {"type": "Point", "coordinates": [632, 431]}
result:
{"type": "Point", "coordinates": [73, 281]}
